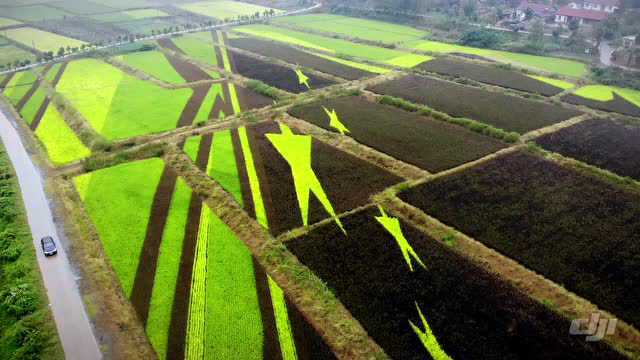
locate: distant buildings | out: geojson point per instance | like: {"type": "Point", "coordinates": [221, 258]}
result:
{"type": "Point", "coordinates": [587, 11]}
{"type": "Point", "coordinates": [542, 11]}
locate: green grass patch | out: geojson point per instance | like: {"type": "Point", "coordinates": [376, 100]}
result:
{"type": "Point", "coordinates": [254, 182]}
{"type": "Point", "coordinates": [153, 63]}
{"type": "Point", "coordinates": [166, 276]}
{"type": "Point", "coordinates": [222, 164]}
{"type": "Point", "coordinates": [371, 68]}
{"type": "Point", "coordinates": [337, 47]}
{"type": "Point", "coordinates": [9, 54]}
{"type": "Point", "coordinates": [121, 105]}
{"type": "Point", "coordinates": [8, 22]}
{"type": "Point", "coordinates": [565, 85]}
{"type": "Point", "coordinates": [19, 85]}
{"type": "Point", "coordinates": [129, 15]}
{"type": "Point", "coordinates": [118, 200]}
{"type": "Point", "coordinates": [370, 30]}
{"type": "Point", "coordinates": [605, 93]}
{"type": "Point", "coordinates": [224, 9]}
{"type": "Point", "coordinates": [61, 143]}
{"type": "Point", "coordinates": [198, 47]}
{"type": "Point", "coordinates": [559, 66]}
{"type": "Point", "coordinates": [41, 40]}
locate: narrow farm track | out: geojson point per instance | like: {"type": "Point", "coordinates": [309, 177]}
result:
{"type": "Point", "coordinates": [180, 310]}
{"type": "Point", "coordinates": [147, 265]}
{"type": "Point", "coordinates": [72, 322]}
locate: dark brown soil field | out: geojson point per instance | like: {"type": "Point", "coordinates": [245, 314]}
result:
{"type": "Point", "coordinates": [298, 57]}
{"type": "Point", "coordinates": [272, 74]}
{"type": "Point", "coordinates": [187, 70]}
{"type": "Point", "coordinates": [574, 229]}
{"type": "Point", "coordinates": [607, 144]}
{"type": "Point", "coordinates": [489, 74]}
{"type": "Point", "coordinates": [472, 314]}
{"type": "Point", "coordinates": [510, 113]}
{"type": "Point", "coordinates": [618, 104]}
{"type": "Point", "coordinates": [427, 143]}
{"type": "Point", "coordinates": [347, 180]}
{"type": "Point", "coordinates": [250, 99]}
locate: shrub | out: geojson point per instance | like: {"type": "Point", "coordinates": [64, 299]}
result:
{"type": "Point", "coordinates": [264, 89]}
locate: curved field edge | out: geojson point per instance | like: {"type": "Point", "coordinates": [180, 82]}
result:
{"type": "Point", "coordinates": [605, 93]}
{"type": "Point", "coordinates": [26, 324]}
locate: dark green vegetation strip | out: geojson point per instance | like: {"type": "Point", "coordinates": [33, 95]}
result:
{"type": "Point", "coordinates": [574, 229]}
{"type": "Point", "coordinates": [340, 174]}
{"type": "Point", "coordinates": [26, 326]}
{"type": "Point", "coordinates": [618, 104]}
{"type": "Point", "coordinates": [510, 113]}
{"type": "Point", "coordinates": [489, 74]}
{"type": "Point", "coordinates": [272, 74]}
{"type": "Point", "coordinates": [608, 144]}
{"type": "Point", "coordinates": [430, 144]}
{"type": "Point", "coordinates": [473, 314]}
{"type": "Point", "coordinates": [298, 57]}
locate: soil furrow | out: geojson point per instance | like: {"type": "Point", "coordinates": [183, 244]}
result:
{"type": "Point", "coordinates": [47, 100]}
{"type": "Point", "coordinates": [180, 310]}
{"type": "Point", "coordinates": [187, 70]}
{"type": "Point", "coordinates": [242, 175]}
{"type": "Point", "coordinates": [271, 345]}
{"type": "Point", "coordinates": [4, 82]}
{"type": "Point", "coordinates": [223, 103]}
{"type": "Point", "coordinates": [193, 105]}
{"type": "Point", "coordinates": [145, 275]}
{"type": "Point", "coordinates": [32, 90]}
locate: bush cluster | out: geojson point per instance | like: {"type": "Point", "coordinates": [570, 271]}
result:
{"type": "Point", "coordinates": [264, 89]}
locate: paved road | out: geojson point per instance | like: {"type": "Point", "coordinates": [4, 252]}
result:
{"type": "Point", "coordinates": [71, 319]}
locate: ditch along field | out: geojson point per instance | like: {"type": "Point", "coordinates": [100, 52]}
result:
{"type": "Point", "coordinates": [607, 98]}
{"type": "Point", "coordinates": [613, 145]}
{"type": "Point", "coordinates": [538, 212]}
{"type": "Point", "coordinates": [427, 143]}
{"type": "Point", "coordinates": [195, 286]}
{"type": "Point", "coordinates": [395, 280]}
{"type": "Point", "coordinates": [498, 109]}
{"type": "Point", "coordinates": [494, 75]}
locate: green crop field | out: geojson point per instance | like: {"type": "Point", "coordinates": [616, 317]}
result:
{"type": "Point", "coordinates": [34, 13]}
{"type": "Point", "coordinates": [10, 53]}
{"type": "Point", "coordinates": [335, 46]}
{"type": "Point", "coordinates": [118, 201]}
{"type": "Point", "coordinates": [354, 27]}
{"type": "Point", "coordinates": [8, 22]}
{"type": "Point", "coordinates": [153, 63]}
{"type": "Point", "coordinates": [19, 85]}
{"type": "Point", "coordinates": [541, 63]}
{"type": "Point", "coordinates": [224, 9]}
{"type": "Point", "coordinates": [129, 15]}
{"type": "Point", "coordinates": [198, 46]}
{"type": "Point", "coordinates": [60, 142]}
{"type": "Point", "coordinates": [40, 40]}
{"type": "Point", "coordinates": [605, 93]}
{"type": "Point", "coordinates": [123, 106]}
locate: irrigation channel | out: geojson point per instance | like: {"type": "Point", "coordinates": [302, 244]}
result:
{"type": "Point", "coordinates": [73, 325]}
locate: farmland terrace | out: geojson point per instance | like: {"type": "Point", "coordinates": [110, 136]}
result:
{"type": "Point", "coordinates": [293, 190]}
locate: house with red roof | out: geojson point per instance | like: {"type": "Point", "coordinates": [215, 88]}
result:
{"type": "Point", "coordinates": [586, 11]}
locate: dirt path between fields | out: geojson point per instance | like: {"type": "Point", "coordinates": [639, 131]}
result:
{"type": "Point", "coordinates": [47, 100]}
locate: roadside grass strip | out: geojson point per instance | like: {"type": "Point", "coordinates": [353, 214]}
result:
{"type": "Point", "coordinates": [41, 40]}
{"type": "Point", "coordinates": [214, 95]}
{"type": "Point", "coordinates": [121, 106]}
{"type": "Point", "coordinates": [336, 47]}
{"type": "Point", "coordinates": [60, 142]}
{"type": "Point", "coordinates": [118, 200]}
{"type": "Point", "coordinates": [166, 276]}
{"type": "Point", "coordinates": [198, 46]}
{"type": "Point", "coordinates": [553, 65]}
{"type": "Point", "coordinates": [224, 9]}
{"type": "Point", "coordinates": [19, 85]}
{"type": "Point", "coordinates": [364, 29]}
{"type": "Point", "coordinates": [564, 85]}
{"type": "Point", "coordinates": [153, 63]}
